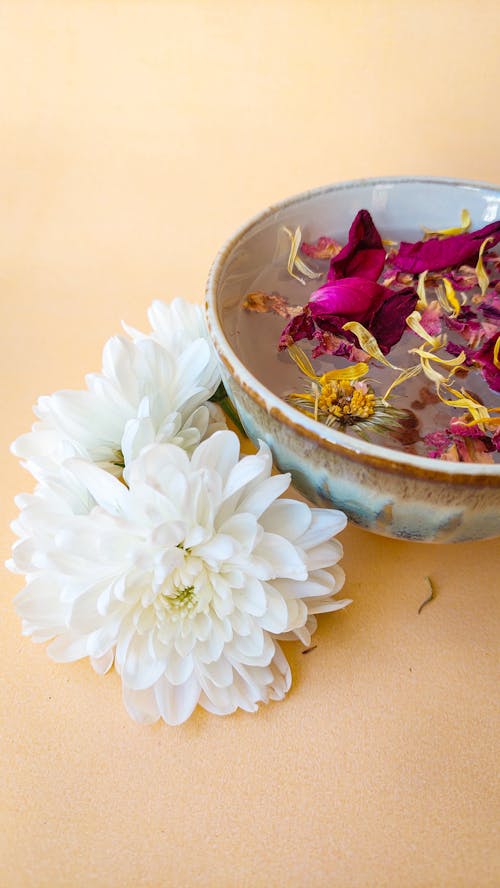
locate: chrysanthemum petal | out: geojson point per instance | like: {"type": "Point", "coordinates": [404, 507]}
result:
{"type": "Point", "coordinates": [141, 705]}
{"type": "Point", "coordinates": [275, 618]}
{"type": "Point", "coordinates": [103, 664]}
{"type": "Point", "coordinates": [324, 555]}
{"type": "Point", "coordinates": [40, 605]}
{"type": "Point", "coordinates": [176, 702]}
{"type": "Point", "coordinates": [140, 669]}
{"type": "Point", "coordinates": [219, 453]}
{"type": "Point", "coordinates": [325, 524]}
{"type": "Point", "coordinates": [289, 518]}
{"type": "Point", "coordinates": [260, 496]}
{"type": "Point", "coordinates": [107, 491]}
{"type": "Point", "coordinates": [219, 672]}
{"type": "Point", "coordinates": [178, 669]}
{"type": "Point", "coordinates": [281, 557]}
{"type": "Point", "coordinates": [68, 647]}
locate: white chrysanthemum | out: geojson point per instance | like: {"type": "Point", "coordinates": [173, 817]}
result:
{"type": "Point", "coordinates": [146, 393]}
{"type": "Point", "coordinates": [174, 325]}
{"type": "Point", "coordinates": [187, 578]}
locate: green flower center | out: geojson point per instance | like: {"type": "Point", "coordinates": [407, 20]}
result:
{"type": "Point", "coordinates": [178, 603]}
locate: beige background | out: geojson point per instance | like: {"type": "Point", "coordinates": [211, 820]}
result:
{"type": "Point", "coordinates": [135, 136]}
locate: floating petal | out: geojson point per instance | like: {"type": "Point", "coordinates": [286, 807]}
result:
{"type": "Point", "coordinates": [465, 224]}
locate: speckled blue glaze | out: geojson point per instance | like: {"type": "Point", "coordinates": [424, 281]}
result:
{"type": "Point", "coordinates": [387, 492]}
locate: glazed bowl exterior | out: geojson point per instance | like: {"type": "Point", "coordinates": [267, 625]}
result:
{"type": "Point", "coordinates": [389, 492]}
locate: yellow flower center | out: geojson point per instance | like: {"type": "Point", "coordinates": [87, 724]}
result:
{"type": "Point", "coordinates": [345, 402]}
{"type": "Point", "coordinates": [180, 603]}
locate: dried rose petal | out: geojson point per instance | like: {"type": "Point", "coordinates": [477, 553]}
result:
{"type": "Point", "coordinates": [460, 443]}
{"type": "Point", "coordinates": [299, 327]}
{"type": "Point", "coordinates": [261, 302]}
{"type": "Point", "coordinates": [490, 306]}
{"type": "Point", "coordinates": [324, 248]}
{"type": "Point", "coordinates": [454, 349]}
{"type": "Point", "coordinates": [485, 358]}
{"type": "Point", "coordinates": [468, 325]}
{"type": "Point", "coordinates": [389, 322]}
{"type": "Point", "coordinates": [431, 318]}
{"type": "Point", "coordinates": [364, 254]}
{"type": "Point", "coordinates": [354, 298]}
{"type": "Point", "coordinates": [474, 449]}
{"type": "Point", "coordinates": [436, 254]}
{"type": "Point", "coordinates": [463, 278]}
{"type": "Point", "coordinates": [380, 310]}
{"type": "Point", "coordinates": [330, 344]}
{"type": "Point", "coordinates": [439, 442]}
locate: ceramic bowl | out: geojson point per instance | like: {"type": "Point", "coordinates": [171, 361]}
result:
{"type": "Point", "coordinates": [386, 491]}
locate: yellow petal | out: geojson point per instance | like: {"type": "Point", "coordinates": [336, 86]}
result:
{"type": "Point", "coordinates": [433, 374]}
{"type": "Point", "coordinates": [294, 260]}
{"type": "Point", "coordinates": [422, 298]}
{"type": "Point", "coordinates": [304, 269]}
{"type": "Point", "coordinates": [465, 224]}
{"type": "Point", "coordinates": [356, 371]}
{"type": "Point", "coordinates": [368, 343]}
{"type": "Point", "coordinates": [492, 422]}
{"type": "Point", "coordinates": [427, 359]}
{"type": "Point", "coordinates": [482, 278]}
{"type": "Point", "coordinates": [451, 297]}
{"type": "Point", "coordinates": [414, 322]}
{"type": "Point", "coordinates": [406, 374]}
{"type": "Point", "coordinates": [302, 361]}
{"type": "Point", "coordinates": [447, 362]}
{"type": "Point", "coordinates": [496, 353]}
{"type": "Point", "coordinates": [462, 400]}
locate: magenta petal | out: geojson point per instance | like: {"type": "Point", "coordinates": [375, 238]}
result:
{"type": "Point", "coordinates": [363, 255]}
{"type": "Point", "coordinates": [330, 344]}
{"type": "Point", "coordinates": [439, 253]}
{"type": "Point", "coordinates": [484, 357]}
{"type": "Point", "coordinates": [466, 324]}
{"type": "Point", "coordinates": [300, 327]}
{"type": "Point", "coordinates": [439, 442]}
{"type": "Point", "coordinates": [324, 248]}
{"type": "Point", "coordinates": [490, 306]}
{"type": "Point", "coordinates": [356, 299]}
{"type": "Point", "coordinates": [389, 322]}
{"type": "Point", "coordinates": [454, 349]}
{"type": "Point", "coordinates": [431, 319]}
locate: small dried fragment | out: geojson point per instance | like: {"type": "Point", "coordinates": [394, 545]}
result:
{"type": "Point", "coordinates": [261, 302]}
{"type": "Point", "coordinates": [324, 248]}
{"type": "Point", "coordinates": [430, 597]}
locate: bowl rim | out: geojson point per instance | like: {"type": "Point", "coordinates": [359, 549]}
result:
{"type": "Point", "coordinates": [353, 449]}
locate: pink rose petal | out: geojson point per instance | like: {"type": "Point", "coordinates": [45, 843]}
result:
{"type": "Point", "coordinates": [439, 253]}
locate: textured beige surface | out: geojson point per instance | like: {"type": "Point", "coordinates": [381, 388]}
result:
{"type": "Point", "coordinates": [134, 137]}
